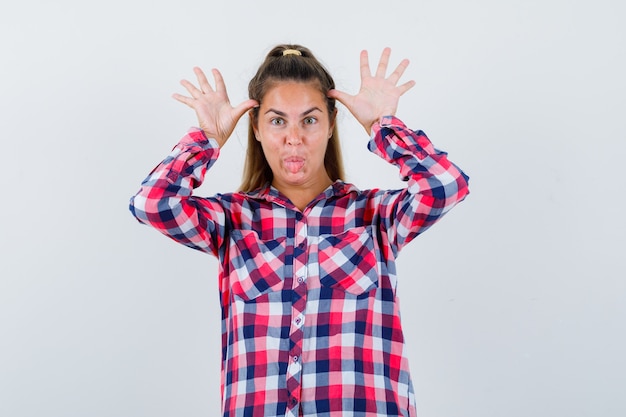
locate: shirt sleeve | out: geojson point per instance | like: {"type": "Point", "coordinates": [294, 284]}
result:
{"type": "Point", "coordinates": [434, 184]}
{"type": "Point", "coordinates": [165, 199]}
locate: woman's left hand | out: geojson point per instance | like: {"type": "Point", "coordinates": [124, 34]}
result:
{"type": "Point", "coordinates": [378, 95]}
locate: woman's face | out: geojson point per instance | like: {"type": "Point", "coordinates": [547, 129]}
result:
{"type": "Point", "coordinates": [293, 128]}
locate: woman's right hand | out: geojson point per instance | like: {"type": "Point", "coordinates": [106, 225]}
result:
{"type": "Point", "coordinates": [216, 117]}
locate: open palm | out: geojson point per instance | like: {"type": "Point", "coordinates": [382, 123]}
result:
{"type": "Point", "coordinates": [216, 117]}
{"type": "Point", "coordinates": [378, 95]}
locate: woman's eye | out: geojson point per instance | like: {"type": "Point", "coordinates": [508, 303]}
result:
{"type": "Point", "coordinates": [277, 121]}
{"type": "Point", "coordinates": [310, 120]}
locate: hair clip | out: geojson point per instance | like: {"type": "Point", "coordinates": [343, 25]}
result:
{"type": "Point", "coordinates": [291, 52]}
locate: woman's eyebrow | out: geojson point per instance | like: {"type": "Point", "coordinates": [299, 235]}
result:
{"type": "Point", "coordinates": [312, 109]}
{"type": "Point", "coordinates": [283, 114]}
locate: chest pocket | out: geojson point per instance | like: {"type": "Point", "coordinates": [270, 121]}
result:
{"type": "Point", "coordinates": [348, 261]}
{"type": "Point", "coordinates": [256, 266]}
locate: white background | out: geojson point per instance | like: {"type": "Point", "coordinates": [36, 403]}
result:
{"type": "Point", "coordinates": [514, 305]}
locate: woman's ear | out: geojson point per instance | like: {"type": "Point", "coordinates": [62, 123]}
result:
{"type": "Point", "coordinates": [333, 119]}
{"type": "Point", "coordinates": [253, 122]}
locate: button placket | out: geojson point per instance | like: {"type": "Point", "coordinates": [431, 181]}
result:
{"type": "Point", "coordinates": [298, 305]}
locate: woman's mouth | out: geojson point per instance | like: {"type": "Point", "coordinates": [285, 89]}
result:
{"type": "Point", "coordinates": [293, 163]}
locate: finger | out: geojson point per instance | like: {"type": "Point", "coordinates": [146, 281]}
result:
{"type": "Point", "coordinates": [202, 80]}
{"type": "Point", "coordinates": [406, 86]}
{"type": "Point", "coordinates": [192, 89]}
{"type": "Point", "coordinates": [183, 99]}
{"type": "Point", "coordinates": [397, 73]}
{"type": "Point", "coordinates": [339, 96]}
{"type": "Point", "coordinates": [382, 64]}
{"type": "Point", "coordinates": [244, 107]}
{"type": "Point", "coordinates": [365, 65]}
{"type": "Point", "coordinates": [220, 86]}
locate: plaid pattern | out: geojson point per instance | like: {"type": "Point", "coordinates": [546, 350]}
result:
{"type": "Point", "coordinates": [310, 317]}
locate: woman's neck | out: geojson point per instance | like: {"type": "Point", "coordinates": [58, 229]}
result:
{"type": "Point", "coordinates": [302, 195]}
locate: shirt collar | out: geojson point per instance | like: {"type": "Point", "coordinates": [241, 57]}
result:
{"type": "Point", "coordinates": [271, 194]}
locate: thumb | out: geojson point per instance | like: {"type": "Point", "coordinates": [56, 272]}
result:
{"type": "Point", "coordinates": [342, 97]}
{"type": "Point", "coordinates": [244, 107]}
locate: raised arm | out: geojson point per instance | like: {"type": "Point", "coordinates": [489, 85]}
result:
{"type": "Point", "coordinates": [434, 184]}
{"type": "Point", "coordinates": [165, 199]}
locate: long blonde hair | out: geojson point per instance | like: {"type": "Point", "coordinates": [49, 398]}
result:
{"type": "Point", "coordinates": [278, 67]}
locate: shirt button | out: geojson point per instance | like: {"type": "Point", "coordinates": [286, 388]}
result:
{"type": "Point", "coordinates": [300, 280]}
{"type": "Point", "coordinates": [295, 359]}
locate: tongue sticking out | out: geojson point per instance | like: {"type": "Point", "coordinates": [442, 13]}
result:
{"type": "Point", "coordinates": [294, 165]}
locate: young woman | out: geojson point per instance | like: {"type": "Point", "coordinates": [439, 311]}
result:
{"type": "Point", "coordinates": [307, 277]}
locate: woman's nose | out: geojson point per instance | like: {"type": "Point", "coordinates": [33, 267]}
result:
{"type": "Point", "coordinates": [294, 136]}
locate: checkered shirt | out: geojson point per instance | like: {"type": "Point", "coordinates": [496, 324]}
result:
{"type": "Point", "coordinates": [310, 317]}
